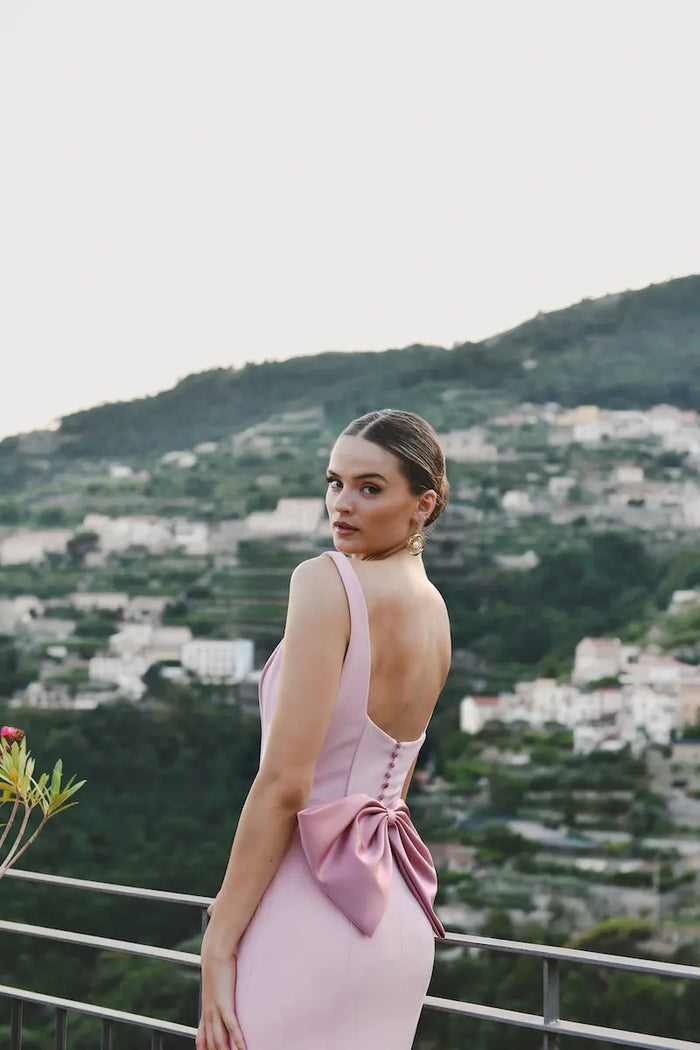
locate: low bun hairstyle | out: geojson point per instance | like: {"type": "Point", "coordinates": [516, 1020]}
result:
{"type": "Point", "coordinates": [415, 444]}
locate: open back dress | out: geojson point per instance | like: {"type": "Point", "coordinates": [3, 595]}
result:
{"type": "Point", "coordinates": [340, 950]}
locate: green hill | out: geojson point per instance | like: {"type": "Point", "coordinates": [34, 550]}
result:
{"type": "Point", "coordinates": [632, 349]}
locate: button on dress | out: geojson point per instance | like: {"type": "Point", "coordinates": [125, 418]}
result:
{"type": "Point", "coordinates": [340, 950]}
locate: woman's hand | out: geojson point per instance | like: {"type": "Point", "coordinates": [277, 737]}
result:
{"type": "Point", "coordinates": [218, 1025]}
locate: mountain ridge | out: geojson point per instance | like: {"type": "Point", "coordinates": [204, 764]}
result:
{"type": "Point", "coordinates": [624, 349]}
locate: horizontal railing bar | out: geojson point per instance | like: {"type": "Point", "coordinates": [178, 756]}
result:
{"type": "Point", "coordinates": [166, 896]}
{"type": "Point", "coordinates": [479, 1012]}
{"type": "Point", "coordinates": [87, 940]}
{"type": "Point", "coordinates": [574, 955]}
{"type": "Point", "coordinates": [118, 1016]}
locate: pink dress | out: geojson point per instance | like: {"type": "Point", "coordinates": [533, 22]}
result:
{"type": "Point", "coordinates": [340, 950]}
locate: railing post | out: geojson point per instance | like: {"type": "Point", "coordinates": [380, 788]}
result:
{"type": "Point", "coordinates": [550, 1003]}
{"type": "Point", "coordinates": [107, 1036]}
{"type": "Point", "coordinates": [61, 1028]}
{"type": "Point", "coordinates": [16, 1024]}
{"type": "Point", "coordinates": [156, 1041]}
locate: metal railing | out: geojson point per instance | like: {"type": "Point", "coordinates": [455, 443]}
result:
{"type": "Point", "coordinates": [549, 1022]}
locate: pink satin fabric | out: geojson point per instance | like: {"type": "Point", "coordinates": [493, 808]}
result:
{"type": "Point", "coordinates": [351, 844]}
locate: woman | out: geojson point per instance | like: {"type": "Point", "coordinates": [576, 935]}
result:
{"type": "Point", "coordinates": [322, 934]}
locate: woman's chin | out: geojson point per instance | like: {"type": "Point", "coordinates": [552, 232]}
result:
{"type": "Point", "coordinates": [347, 544]}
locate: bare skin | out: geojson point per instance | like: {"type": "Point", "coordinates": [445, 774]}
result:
{"type": "Point", "coordinates": [410, 638]}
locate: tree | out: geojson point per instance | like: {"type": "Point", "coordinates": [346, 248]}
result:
{"type": "Point", "coordinates": [80, 545]}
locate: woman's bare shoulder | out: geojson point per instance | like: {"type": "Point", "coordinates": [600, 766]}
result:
{"type": "Point", "coordinates": [317, 578]}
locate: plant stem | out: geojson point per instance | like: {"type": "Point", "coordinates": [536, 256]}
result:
{"type": "Point", "coordinates": [6, 866]}
{"type": "Point", "coordinates": [9, 823]}
{"type": "Point", "coordinates": [20, 835]}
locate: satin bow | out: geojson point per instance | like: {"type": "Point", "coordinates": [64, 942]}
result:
{"type": "Point", "coordinates": [349, 844]}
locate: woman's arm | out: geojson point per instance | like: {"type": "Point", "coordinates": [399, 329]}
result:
{"type": "Point", "coordinates": [407, 781]}
{"type": "Point", "coordinates": [316, 636]}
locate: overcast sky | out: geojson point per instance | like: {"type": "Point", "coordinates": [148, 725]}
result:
{"type": "Point", "coordinates": [202, 183]}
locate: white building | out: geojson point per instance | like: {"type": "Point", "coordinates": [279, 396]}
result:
{"type": "Point", "coordinates": [19, 610]}
{"type": "Point", "coordinates": [107, 601]}
{"type": "Point", "coordinates": [32, 546]}
{"type": "Point", "coordinates": [291, 517]}
{"type": "Point", "coordinates": [219, 661]}
{"type": "Point", "coordinates": [122, 671]}
{"type": "Point", "coordinates": [120, 472]}
{"type": "Point", "coordinates": [588, 737]}
{"type": "Point", "coordinates": [131, 639]}
{"type": "Point", "coordinates": [116, 534]}
{"type": "Point", "coordinates": [177, 458]}
{"type": "Point", "coordinates": [681, 601]}
{"type": "Point", "coordinates": [656, 713]}
{"type": "Point", "coordinates": [146, 608]}
{"type": "Point", "coordinates": [153, 643]}
{"type": "Point", "coordinates": [559, 487]}
{"type": "Point", "coordinates": [464, 446]}
{"type": "Point", "coordinates": [628, 474]}
{"type": "Point", "coordinates": [191, 536]}
{"type": "Point", "coordinates": [656, 669]}
{"type": "Point", "coordinates": [597, 658]}
{"type": "Point", "coordinates": [518, 562]}
{"type": "Point", "coordinates": [476, 711]}
{"type": "Point", "coordinates": [516, 501]}
{"type": "Point", "coordinates": [48, 629]}
{"type": "Point", "coordinates": [666, 419]}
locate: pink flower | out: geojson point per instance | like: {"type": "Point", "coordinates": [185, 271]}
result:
{"type": "Point", "coordinates": [10, 735]}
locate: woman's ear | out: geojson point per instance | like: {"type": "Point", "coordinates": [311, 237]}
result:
{"type": "Point", "coordinates": [426, 504]}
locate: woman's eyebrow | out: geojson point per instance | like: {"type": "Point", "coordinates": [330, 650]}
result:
{"type": "Point", "coordinates": [359, 477]}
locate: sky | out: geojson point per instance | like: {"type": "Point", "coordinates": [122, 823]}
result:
{"type": "Point", "coordinates": [185, 185]}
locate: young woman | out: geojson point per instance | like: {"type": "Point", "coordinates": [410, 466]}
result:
{"type": "Point", "coordinates": [322, 935]}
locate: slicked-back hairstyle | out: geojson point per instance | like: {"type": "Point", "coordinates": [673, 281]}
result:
{"type": "Point", "coordinates": [415, 444]}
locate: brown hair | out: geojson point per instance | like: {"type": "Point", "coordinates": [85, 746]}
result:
{"type": "Point", "coordinates": [415, 444]}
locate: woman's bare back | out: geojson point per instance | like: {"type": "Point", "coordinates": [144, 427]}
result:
{"type": "Point", "coordinates": [410, 646]}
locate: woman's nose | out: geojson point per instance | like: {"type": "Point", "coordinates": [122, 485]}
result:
{"type": "Point", "coordinates": [342, 502]}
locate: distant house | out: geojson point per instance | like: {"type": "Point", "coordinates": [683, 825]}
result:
{"type": "Point", "coordinates": [19, 610]}
{"type": "Point", "coordinates": [191, 536]}
{"type": "Point", "coordinates": [597, 658]}
{"type": "Point", "coordinates": [104, 601]}
{"type": "Point", "coordinates": [218, 661]}
{"type": "Point", "coordinates": [681, 601]}
{"type": "Point", "coordinates": [48, 629]}
{"type": "Point", "coordinates": [518, 562]}
{"type": "Point", "coordinates": [32, 546]}
{"type": "Point", "coordinates": [516, 501]}
{"type": "Point", "coordinates": [689, 699]}
{"type": "Point", "coordinates": [470, 445]}
{"type": "Point", "coordinates": [476, 711]}
{"type": "Point", "coordinates": [291, 517]}
{"type": "Point", "coordinates": [146, 608]}
{"type": "Point", "coordinates": [559, 486]}
{"type": "Point", "coordinates": [453, 856]}
{"type": "Point", "coordinates": [116, 534]}
{"type": "Point", "coordinates": [122, 671]}
{"type": "Point", "coordinates": [177, 458]}
{"type": "Point", "coordinates": [628, 474]}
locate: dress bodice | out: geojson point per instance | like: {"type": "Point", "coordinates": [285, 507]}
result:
{"type": "Point", "coordinates": [355, 820]}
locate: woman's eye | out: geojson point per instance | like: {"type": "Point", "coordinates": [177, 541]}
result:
{"type": "Point", "coordinates": [333, 483]}
{"type": "Point", "coordinates": [371, 489]}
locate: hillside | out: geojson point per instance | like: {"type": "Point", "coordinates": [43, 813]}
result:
{"type": "Point", "coordinates": [633, 349]}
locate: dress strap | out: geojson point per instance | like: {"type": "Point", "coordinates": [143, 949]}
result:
{"type": "Point", "coordinates": [359, 620]}
{"type": "Point", "coordinates": [357, 666]}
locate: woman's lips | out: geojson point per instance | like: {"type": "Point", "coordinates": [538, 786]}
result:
{"type": "Point", "coordinates": [344, 530]}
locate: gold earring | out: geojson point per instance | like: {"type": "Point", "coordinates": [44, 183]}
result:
{"type": "Point", "coordinates": [416, 543]}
